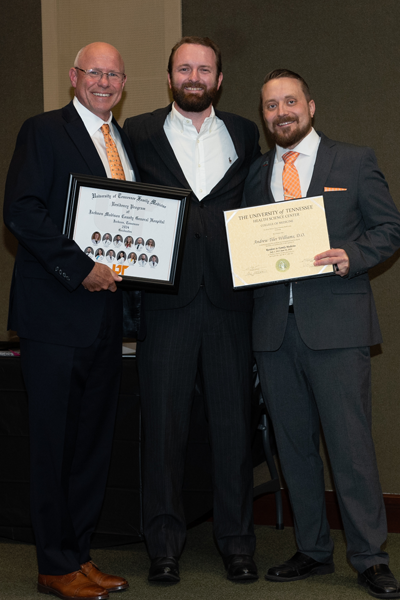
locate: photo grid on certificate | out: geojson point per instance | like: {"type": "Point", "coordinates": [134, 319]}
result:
{"type": "Point", "coordinates": [132, 233]}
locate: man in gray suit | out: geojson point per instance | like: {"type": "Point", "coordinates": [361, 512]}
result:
{"type": "Point", "coordinates": [311, 339]}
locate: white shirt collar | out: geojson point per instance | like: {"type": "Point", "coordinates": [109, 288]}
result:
{"type": "Point", "coordinates": [307, 146]}
{"type": "Point", "coordinates": [181, 122]}
{"type": "Point", "coordinates": [92, 122]}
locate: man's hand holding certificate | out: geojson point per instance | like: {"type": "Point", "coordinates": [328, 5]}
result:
{"type": "Point", "coordinates": [336, 257]}
{"type": "Point", "coordinates": [281, 241]}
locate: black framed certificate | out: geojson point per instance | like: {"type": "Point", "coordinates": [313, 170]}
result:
{"type": "Point", "coordinates": [277, 242]}
{"type": "Point", "coordinates": [136, 229]}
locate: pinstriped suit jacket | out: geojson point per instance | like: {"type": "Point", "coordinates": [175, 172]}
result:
{"type": "Point", "coordinates": [206, 257]}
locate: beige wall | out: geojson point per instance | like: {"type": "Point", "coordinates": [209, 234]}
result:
{"type": "Point", "coordinates": [144, 31]}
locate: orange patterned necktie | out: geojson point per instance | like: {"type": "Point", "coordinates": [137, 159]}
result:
{"type": "Point", "coordinates": [290, 177]}
{"type": "Point", "coordinates": [117, 172]}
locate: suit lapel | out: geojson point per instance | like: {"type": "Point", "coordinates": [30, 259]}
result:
{"type": "Point", "coordinates": [78, 133]}
{"type": "Point", "coordinates": [157, 137]}
{"type": "Point", "coordinates": [267, 166]}
{"type": "Point", "coordinates": [238, 142]}
{"type": "Point", "coordinates": [127, 146]}
{"type": "Point", "coordinates": [237, 136]}
{"type": "Point", "coordinates": [323, 164]}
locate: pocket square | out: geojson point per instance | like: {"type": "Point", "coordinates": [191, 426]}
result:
{"type": "Point", "coordinates": [327, 189]}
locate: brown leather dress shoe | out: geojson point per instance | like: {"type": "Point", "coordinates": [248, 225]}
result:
{"type": "Point", "coordinates": [73, 585]}
{"type": "Point", "coordinates": [112, 583]}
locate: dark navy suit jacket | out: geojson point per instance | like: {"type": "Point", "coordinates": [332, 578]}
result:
{"type": "Point", "coordinates": [48, 302]}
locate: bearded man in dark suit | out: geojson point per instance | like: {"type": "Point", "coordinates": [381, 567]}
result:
{"type": "Point", "coordinates": [206, 325]}
{"type": "Point", "coordinates": [68, 313]}
{"type": "Point", "coordinates": [312, 337]}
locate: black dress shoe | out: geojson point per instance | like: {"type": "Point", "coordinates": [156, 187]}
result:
{"type": "Point", "coordinates": [298, 567]}
{"type": "Point", "coordinates": [241, 567]}
{"type": "Point", "coordinates": [164, 569]}
{"type": "Point", "coordinates": [380, 582]}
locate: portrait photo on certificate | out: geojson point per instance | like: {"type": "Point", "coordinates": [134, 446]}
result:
{"type": "Point", "coordinates": [132, 228]}
{"type": "Point", "coordinates": [277, 242]}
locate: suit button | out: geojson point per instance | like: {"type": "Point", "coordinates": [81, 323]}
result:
{"type": "Point", "coordinates": [197, 235]}
{"type": "Point", "coordinates": [57, 269]}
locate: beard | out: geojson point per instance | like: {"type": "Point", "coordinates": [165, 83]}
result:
{"type": "Point", "coordinates": [194, 102]}
{"type": "Point", "coordinates": [287, 137]}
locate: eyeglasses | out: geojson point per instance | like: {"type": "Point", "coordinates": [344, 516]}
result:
{"type": "Point", "coordinates": [97, 75]}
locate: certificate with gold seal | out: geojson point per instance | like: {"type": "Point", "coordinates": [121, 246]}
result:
{"type": "Point", "coordinates": [277, 242]}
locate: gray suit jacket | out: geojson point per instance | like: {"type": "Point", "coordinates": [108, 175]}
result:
{"type": "Point", "coordinates": [332, 312]}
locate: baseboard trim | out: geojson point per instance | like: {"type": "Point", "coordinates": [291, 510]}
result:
{"type": "Point", "coordinates": [265, 514]}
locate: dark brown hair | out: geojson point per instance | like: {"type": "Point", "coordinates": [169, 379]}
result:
{"type": "Point", "coordinates": [278, 73]}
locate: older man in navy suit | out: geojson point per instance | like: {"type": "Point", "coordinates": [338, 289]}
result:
{"type": "Point", "coordinates": [68, 313]}
{"type": "Point", "coordinates": [312, 337]}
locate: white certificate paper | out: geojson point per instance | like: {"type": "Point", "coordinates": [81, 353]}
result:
{"type": "Point", "coordinates": [277, 242]}
{"type": "Point", "coordinates": [133, 234]}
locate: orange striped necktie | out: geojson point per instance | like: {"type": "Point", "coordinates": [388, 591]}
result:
{"type": "Point", "coordinates": [290, 177]}
{"type": "Point", "coordinates": [117, 171]}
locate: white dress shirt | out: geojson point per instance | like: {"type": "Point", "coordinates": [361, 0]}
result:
{"type": "Point", "coordinates": [204, 156]}
{"type": "Point", "coordinates": [93, 123]}
{"type": "Point", "coordinates": [307, 148]}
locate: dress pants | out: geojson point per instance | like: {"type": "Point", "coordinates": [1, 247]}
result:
{"type": "Point", "coordinates": [178, 342]}
{"type": "Point", "coordinates": [303, 387]}
{"type": "Point", "coordinates": [72, 395]}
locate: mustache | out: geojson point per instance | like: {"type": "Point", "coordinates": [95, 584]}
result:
{"type": "Point", "coordinates": [284, 119]}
